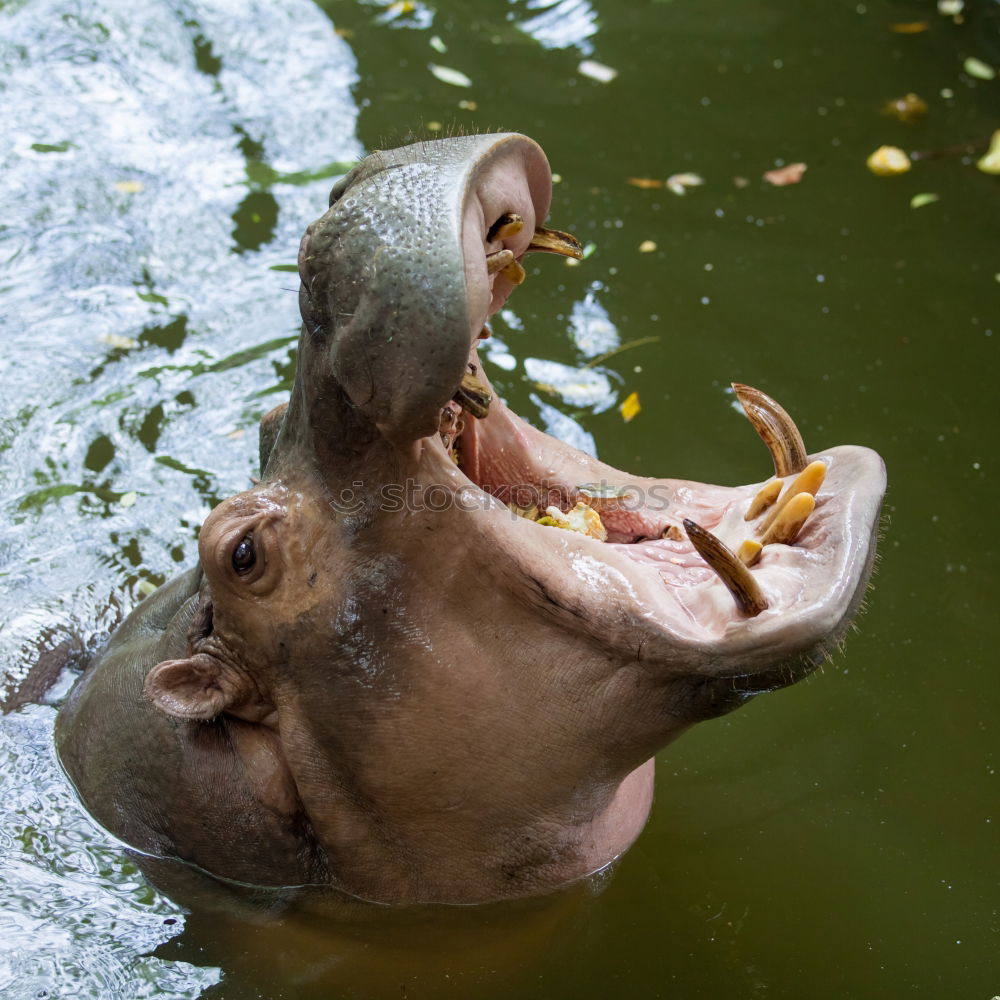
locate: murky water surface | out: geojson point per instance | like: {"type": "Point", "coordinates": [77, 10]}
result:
{"type": "Point", "coordinates": [159, 164]}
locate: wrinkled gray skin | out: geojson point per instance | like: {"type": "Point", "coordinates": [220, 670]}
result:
{"type": "Point", "coordinates": [427, 705]}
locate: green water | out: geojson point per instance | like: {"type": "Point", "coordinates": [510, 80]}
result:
{"type": "Point", "coordinates": [838, 839]}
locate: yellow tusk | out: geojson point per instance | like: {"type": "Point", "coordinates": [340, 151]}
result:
{"type": "Point", "coordinates": [554, 241]}
{"type": "Point", "coordinates": [738, 579]}
{"type": "Point", "coordinates": [473, 396]}
{"type": "Point", "coordinates": [776, 429]}
{"type": "Point", "coordinates": [509, 224]}
{"type": "Point", "coordinates": [809, 480]}
{"type": "Point", "coordinates": [764, 498]}
{"type": "Point", "coordinates": [790, 520]}
{"type": "Point", "coordinates": [749, 552]}
{"type": "Point", "coordinates": [514, 273]}
{"type": "Point", "coordinates": [498, 261]}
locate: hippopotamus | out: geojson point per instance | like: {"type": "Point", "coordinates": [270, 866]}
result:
{"type": "Point", "coordinates": [430, 655]}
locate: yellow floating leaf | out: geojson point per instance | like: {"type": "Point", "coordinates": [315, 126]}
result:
{"type": "Point", "coordinates": [468, 105]}
{"type": "Point", "coordinates": [146, 587]}
{"type": "Point", "coordinates": [990, 163]}
{"type": "Point", "coordinates": [129, 187]}
{"type": "Point", "coordinates": [927, 198]}
{"type": "Point", "coordinates": [129, 499]}
{"type": "Point", "coordinates": [454, 77]}
{"type": "Point", "coordinates": [977, 68]}
{"type": "Point", "coordinates": [645, 182]}
{"type": "Point", "coordinates": [888, 161]}
{"type": "Point", "coordinates": [437, 44]}
{"type": "Point", "coordinates": [909, 27]}
{"type": "Point", "coordinates": [631, 407]}
{"type": "Point", "coordinates": [907, 109]}
{"type": "Point", "coordinates": [783, 176]}
{"type": "Point", "coordinates": [647, 246]}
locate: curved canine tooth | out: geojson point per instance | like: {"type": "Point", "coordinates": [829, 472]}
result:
{"type": "Point", "coordinates": [473, 396]}
{"type": "Point", "coordinates": [790, 520]}
{"type": "Point", "coordinates": [554, 241]}
{"type": "Point", "coordinates": [764, 498]}
{"type": "Point", "coordinates": [514, 273]}
{"type": "Point", "coordinates": [809, 480]}
{"type": "Point", "coordinates": [749, 552]}
{"type": "Point", "coordinates": [776, 429]}
{"type": "Point", "coordinates": [498, 261]}
{"type": "Point", "coordinates": [738, 579]}
{"type": "Point", "coordinates": [509, 224]}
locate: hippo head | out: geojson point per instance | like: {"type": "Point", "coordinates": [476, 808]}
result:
{"type": "Point", "coordinates": [434, 650]}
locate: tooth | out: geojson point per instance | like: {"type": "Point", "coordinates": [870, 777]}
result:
{"type": "Point", "coordinates": [749, 552]}
{"type": "Point", "coordinates": [514, 273]}
{"type": "Point", "coordinates": [790, 520]}
{"type": "Point", "coordinates": [672, 532]}
{"type": "Point", "coordinates": [554, 241]}
{"type": "Point", "coordinates": [738, 579]}
{"type": "Point", "coordinates": [509, 224]}
{"type": "Point", "coordinates": [776, 428]}
{"type": "Point", "coordinates": [473, 396]}
{"type": "Point", "coordinates": [767, 495]}
{"type": "Point", "coordinates": [498, 261]}
{"type": "Point", "coordinates": [809, 480]}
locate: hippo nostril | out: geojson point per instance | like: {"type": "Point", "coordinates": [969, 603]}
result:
{"type": "Point", "coordinates": [508, 225]}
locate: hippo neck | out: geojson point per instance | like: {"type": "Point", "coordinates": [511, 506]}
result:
{"type": "Point", "coordinates": [322, 429]}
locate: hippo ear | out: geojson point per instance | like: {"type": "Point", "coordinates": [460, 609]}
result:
{"type": "Point", "coordinates": [198, 687]}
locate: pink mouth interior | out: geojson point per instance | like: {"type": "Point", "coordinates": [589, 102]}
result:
{"type": "Point", "coordinates": [518, 464]}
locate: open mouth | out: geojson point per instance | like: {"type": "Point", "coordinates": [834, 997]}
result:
{"type": "Point", "coordinates": [527, 471]}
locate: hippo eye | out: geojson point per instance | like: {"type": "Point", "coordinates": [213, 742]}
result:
{"type": "Point", "coordinates": [244, 555]}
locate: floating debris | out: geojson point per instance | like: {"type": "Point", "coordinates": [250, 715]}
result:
{"type": "Point", "coordinates": [888, 161]}
{"type": "Point", "coordinates": [645, 182]}
{"type": "Point", "coordinates": [990, 163]}
{"type": "Point", "coordinates": [927, 198]}
{"type": "Point", "coordinates": [117, 341]}
{"type": "Point", "coordinates": [129, 187]}
{"type": "Point", "coordinates": [647, 246]}
{"type": "Point", "coordinates": [630, 407]}
{"type": "Point", "coordinates": [908, 109]}
{"type": "Point", "coordinates": [977, 68]}
{"type": "Point", "coordinates": [679, 183]}
{"type": "Point", "coordinates": [783, 176]}
{"type": "Point", "coordinates": [437, 45]}
{"type": "Point", "coordinates": [597, 71]}
{"type": "Point", "coordinates": [453, 77]}
{"type": "Point", "coordinates": [909, 27]}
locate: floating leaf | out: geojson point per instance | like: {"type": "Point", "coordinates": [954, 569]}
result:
{"type": "Point", "coordinates": [468, 105]}
{"type": "Point", "coordinates": [907, 109]}
{"type": "Point", "coordinates": [630, 407]}
{"type": "Point", "coordinates": [597, 71]}
{"type": "Point", "coordinates": [129, 499]}
{"type": "Point", "coordinates": [118, 341]}
{"type": "Point", "coordinates": [454, 77]}
{"type": "Point", "coordinates": [909, 27]}
{"type": "Point", "coordinates": [292, 268]}
{"type": "Point", "coordinates": [146, 587]}
{"type": "Point", "coordinates": [990, 163]}
{"type": "Point", "coordinates": [647, 246]}
{"type": "Point", "coordinates": [951, 8]}
{"type": "Point", "coordinates": [679, 183]}
{"type": "Point", "coordinates": [977, 68]}
{"type": "Point", "coordinates": [52, 147]}
{"type": "Point", "coordinates": [646, 183]}
{"type": "Point", "coordinates": [927, 198]}
{"type": "Point", "coordinates": [437, 45]}
{"type": "Point", "coordinates": [783, 176]}
{"type": "Point", "coordinates": [129, 187]}
{"type": "Point", "coordinates": [888, 161]}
